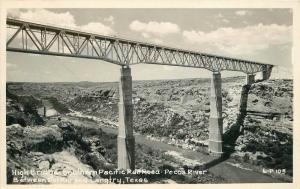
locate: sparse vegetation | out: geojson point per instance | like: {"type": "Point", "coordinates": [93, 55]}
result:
{"type": "Point", "coordinates": [177, 115]}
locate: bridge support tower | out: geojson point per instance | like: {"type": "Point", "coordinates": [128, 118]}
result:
{"type": "Point", "coordinates": [266, 73]}
{"type": "Point", "coordinates": [250, 79]}
{"type": "Point", "coordinates": [215, 145]}
{"type": "Point", "coordinates": [44, 111]}
{"type": "Point", "coordinates": [126, 141]}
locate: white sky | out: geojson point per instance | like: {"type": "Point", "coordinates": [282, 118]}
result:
{"type": "Point", "coordinates": [263, 35]}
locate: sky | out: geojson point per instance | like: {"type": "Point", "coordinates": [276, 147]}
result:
{"type": "Point", "coordinates": [263, 35]}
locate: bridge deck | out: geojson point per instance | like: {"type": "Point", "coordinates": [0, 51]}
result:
{"type": "Point", "coordinates": [29, 37]}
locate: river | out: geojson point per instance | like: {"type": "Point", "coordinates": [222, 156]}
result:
{"type": "Point", "coordinates": [232, 173]}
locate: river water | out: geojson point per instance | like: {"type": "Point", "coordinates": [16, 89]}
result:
{"type": "Point", "coordinates": [232, 173]}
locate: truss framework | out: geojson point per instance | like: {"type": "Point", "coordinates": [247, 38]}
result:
{"type": "Point", "coordinates": [37, 38]}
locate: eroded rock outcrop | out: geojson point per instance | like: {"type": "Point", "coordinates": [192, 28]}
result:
{"type": "Point", "coordinates": [267, 139]}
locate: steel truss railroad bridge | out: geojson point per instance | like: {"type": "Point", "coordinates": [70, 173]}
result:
{"type": "Point", "coordinates": [36, 38]}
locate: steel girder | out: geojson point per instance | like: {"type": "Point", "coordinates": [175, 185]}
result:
{"type": "Point", "coordinates": [37, 38]}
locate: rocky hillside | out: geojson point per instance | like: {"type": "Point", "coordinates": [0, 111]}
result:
{"type": "Point", "coordinates": [57, 147]}
{"type": "Point", "coordinates": [177, 112]}
{"type": "Point", "coordinates": [267, 133]}
{"type": "Point", "coordinates": [22, 110]}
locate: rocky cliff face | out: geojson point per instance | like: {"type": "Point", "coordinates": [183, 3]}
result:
{"type": "Point", "coordinates": [177, 112]}
{"type": "Point", "coordinates": [266, 139]}
{"type": "Point", "coordinates": [60, 146]}
{"type": "Point", "coordinates": [22, 110]}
